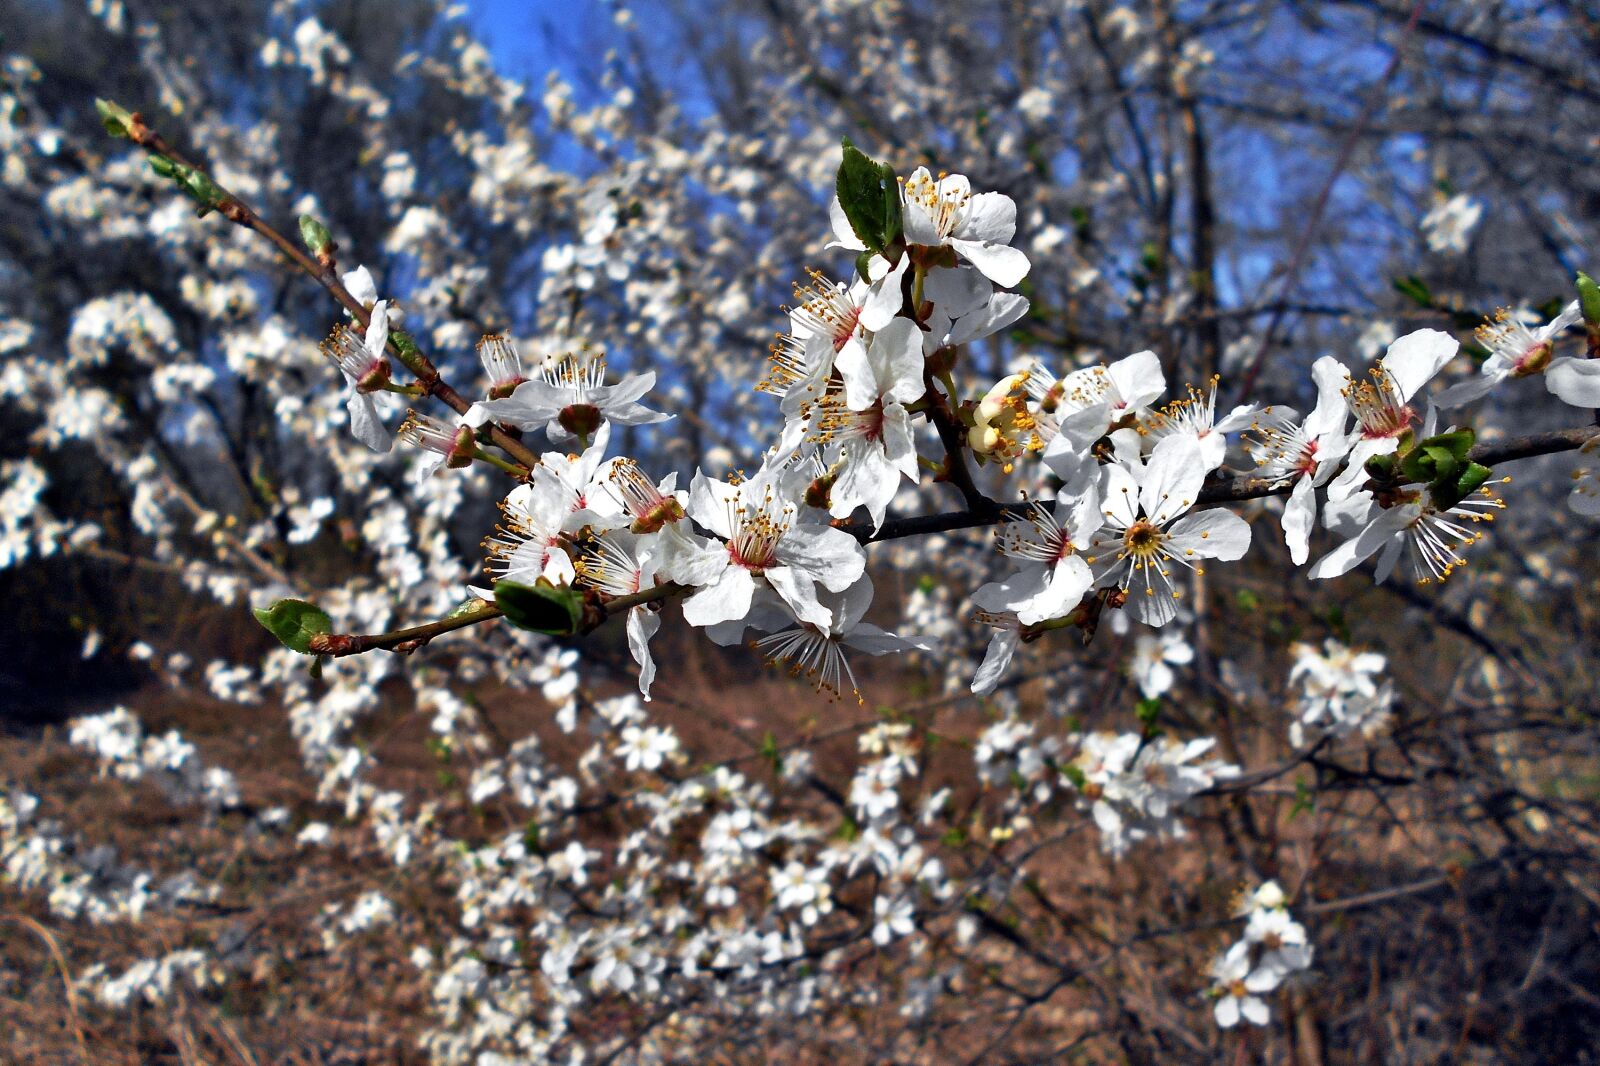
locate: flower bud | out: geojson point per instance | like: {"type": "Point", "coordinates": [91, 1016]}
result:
{"type": "Point", "coordinates": [317, 240]}
{"type": "Point", "coordinates": [118, 120]}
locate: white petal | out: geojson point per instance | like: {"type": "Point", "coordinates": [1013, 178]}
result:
{"type": "Point", "coordinates": [378, 329]}
{"type": "Point", "coordinates": [1138, 378]}
{"type": "Point", "coordinates": [1003, 265]}
{"type": "Point", "coordinates": [1069, 580]}
{"type": "Point", "coordinates": [1214, 533]}
{"type": "Point", "coordinates": [868, 480]}
{"type": "Point", "coordinates": [828, 555]}
{"type": "Point", "coordinates": [1299, 516]}
{"type": "Point", "coordinates": [799, 591]}
{"type": "Point", "coordinates": [530, 405]}
{"type": "Point", "coordinates": [1255, 1011]}
{"type": "Point", "coordinates": [692, 561]}
{"type": "Point", "coordinates": [885, 298]}
{"type": "Point", "coordinates": [990, 216]}
{"type": "Point", "coordinates": [642, 625]}
{"type": "Point", "coordinates": [1354, 474]}
{"type": "Point", "coordinates": [1574, 381]}
{"type": "Point", "coordinates": [1227, 1012]}
{"type": "Point", "coordinates": [1155, 607]}
{"type": "Point", "coordinates": [710, 501]}
{"type": "Point", "coordinates": [1474, 388]}
{"type": "Point", "coordinates": [1171, 479]}
{"type": "Point", "coordinates": [1119, 495]}
{"type": "Point", "coordinates": [1358, 549]}
{"type": "Point", "coordinates": [875, 641]}
{"type": "Point", "coordinates": [726, 600]}
{"type": "Point", "coordinates": [956, 292]}
{"type": "Point", "coordinates": [999, 597]}
{"type": "Point", "coordinates": [1331, 411]}
{"type": "Point", "coordinates": [1414, 359]}
{"type": "Point", "coordinates": [844, 235]}
{"type": "Point", "coordinates": [996, 660]}
{"type": "Point", "coordinates": [1000, 312]}
{"type": "Point", "coordinates": [897, 359]}
{"type": "Point", "coordinates": [366, 425]}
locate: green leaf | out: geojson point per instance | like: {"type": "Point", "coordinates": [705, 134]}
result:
{"type": "Point", "coordinates": [542, 607]}
{"type": "Point", "coordinates": [1447, 493]}
{"type": "Point", "coordinates": [1440, 458]}
{"type": "Point", "coordinates": [1414, 289]}
{"type": "Point", "coordinates": [294, 623]}
{"type": "Point", "coordinates": [1072, 773]}
{"type": "Point", "coordinates": [1304, 799]}
{"type": "Point", "coordinates": [870, 197]}
{"type": "Point", "coordinates": [1148, 712]}
{"type": "Point", "coordinates": [1589, 300]}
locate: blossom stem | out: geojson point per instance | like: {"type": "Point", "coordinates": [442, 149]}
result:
{"type": "Point", "coordinates": [518, 472]}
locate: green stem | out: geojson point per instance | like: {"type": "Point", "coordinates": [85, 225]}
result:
{"type": "Point", "coordinates": [518, 472]}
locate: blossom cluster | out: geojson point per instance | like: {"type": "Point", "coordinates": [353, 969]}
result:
{"type": "Point", "coordinates": [1274, 948]}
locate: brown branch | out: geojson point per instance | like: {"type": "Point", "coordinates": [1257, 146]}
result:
{"type": "Point", "coordinates": [399, 641]}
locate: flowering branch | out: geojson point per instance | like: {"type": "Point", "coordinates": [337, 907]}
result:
{"type": "Point", "coordinates": [1225, 491]}
{"type": "Point", "coordinates": [400, 641]}
{"type": "Point", "coordinates": [213, 197]}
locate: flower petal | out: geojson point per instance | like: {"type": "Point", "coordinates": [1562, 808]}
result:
{"type": "Point", "coordinates": [1574, 381]}
{"type": "Point", "coordinates": [1414, 359]}
{"type": "Point", "coordinates": [1358, 549]}
{"type": "Point", "coordinates": [1001, 264]}
{"type": "Point", "coordinates": [725, 600]}
{"type": "Point", "coordinates": [1214, 533]}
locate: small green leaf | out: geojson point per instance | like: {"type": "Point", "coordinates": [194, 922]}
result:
{"type": "Point", "coordinates": [1440, 458]}
{"type": "Point", "coordinates": [769, 751]}
{"type": "Point", "coordinates": [294, 623]}
{"type": "Point", "coordinates": [1414, 289]}
{"type": "Point", "coordinates": [1304, 799]}
{"type": "Point", "coordinates": [1447, 493]}
{"type": "Point", "coordinates": [1148, 712]}
{"type": "Point", "coordinates": [1072, 773]}
{"type": "Point", "coordinates": [470, 605]}
{"type": "Point", "coordinates": [1589, 300]}
{"type": "Point", "coordinates": [870, 197]}
{"type": "Point", "coordinates": [542, 607]}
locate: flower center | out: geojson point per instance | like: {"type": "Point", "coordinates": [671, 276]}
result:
{"type": "Point", "coordinates": [1142, 538]}
{"type": "Point", "coordinates": [1378, 407]}
{"type": "Point", "coordinates": [1533, 360]}
{"type": "Point", "coordinates": [756, 535]}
